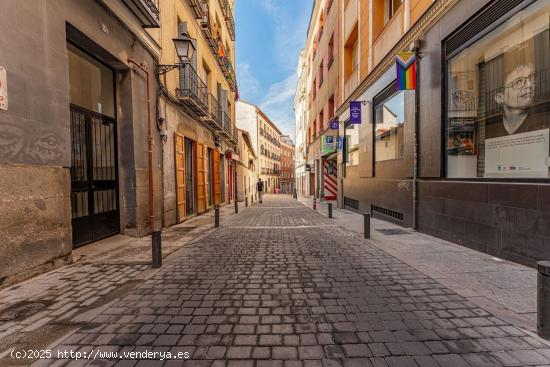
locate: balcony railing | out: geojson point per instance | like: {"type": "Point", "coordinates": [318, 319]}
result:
{"type": "Point", "coordinates": [227, 129]}
{"type": "Point", "coordinates": [214, 115]}
{"type": "Point", "coordinates": [197, 8]}
{"type": "Point", "coordinates": [193, 91]}
{"type": "Point", "coordinates": [228, 15]}
{"type": "Point", "coordinates": [147, 11]}
{"type": "Point", "coordinates": [216, 44]}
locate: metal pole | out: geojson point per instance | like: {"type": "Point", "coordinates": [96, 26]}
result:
{"type": "Point", "coordinates": [314, 203]}
{"type": "Point", "coordinates": [156, 250]}
{"type": "Point", "coordinates": [543, 299]}
{"type": "Point", "coordinates": [330, 210]}
{"type": "Point", "coordinates": [366, 224]}
{"type": "Point", "coordinates": [246, 201]}
{"type": "Point", "coordinates": [217, 216]}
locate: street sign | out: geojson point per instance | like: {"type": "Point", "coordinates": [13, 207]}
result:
{"type": "Point", "coordinates": [355, 112]}
{"type": "Point", "coordinates": [334, 124]}
{"type": "Point", "coordinates": [328, 144]}
{"type": "Point", "coordinates": [3, 89]}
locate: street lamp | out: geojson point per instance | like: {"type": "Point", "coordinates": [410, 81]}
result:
{"type": "Point", "coordinates": [185, 49]}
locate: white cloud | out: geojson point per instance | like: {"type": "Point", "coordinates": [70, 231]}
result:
{"type": "Point", "coordinates": [246, 80]}
{"type": "Point", "coordinates": [278, 104]}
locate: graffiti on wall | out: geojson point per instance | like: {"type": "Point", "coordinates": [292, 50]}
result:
{"type": "Point", "coordinates": [30, 143]}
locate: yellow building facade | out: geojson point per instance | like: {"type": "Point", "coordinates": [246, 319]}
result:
{"type": "Point", "coordinates": [197, 107]}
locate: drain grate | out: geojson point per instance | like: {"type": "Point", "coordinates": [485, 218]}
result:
{"type": "Point", "coordinates": [392, 231]}
{"type": "Point", "coordinates": [23, 310]}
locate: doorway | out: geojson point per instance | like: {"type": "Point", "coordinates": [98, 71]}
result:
{"type": "Point", "coordinates": [189, 177]}
{"type": "Point", "coordinates": [94, 162]}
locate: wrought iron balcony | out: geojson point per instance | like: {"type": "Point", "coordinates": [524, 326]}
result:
{"type": "Point", "coordinates": [197, 8]}
{"type": "Point", "coordinates": [235, 136]}
{"type": "Point", "coordinates": [147, 11]}
{"type": "Point", "coordinates": [228, 15]}
{"type": "Point", "coordinates": [214, 115]}
{"type": "Point", "coordinates": [226, 123]}
{"type": "Point", "coordinates": [193, 91]}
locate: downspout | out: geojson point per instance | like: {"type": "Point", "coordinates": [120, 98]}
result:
{"type": "Point", "coordinates": [416, 140]}
{"type": "Point", "coordinates": [143, 68]}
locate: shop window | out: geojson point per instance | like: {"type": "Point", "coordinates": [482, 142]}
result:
{"type": "Point", "coordinates": [351, 145]}
{"type": "Point", "coordinates": [389, 123]}
{"type": "Point", "coordinates": [498, 100]}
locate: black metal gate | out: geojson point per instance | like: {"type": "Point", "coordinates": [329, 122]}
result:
{"type": "Point", "coordinates": [94, 176]}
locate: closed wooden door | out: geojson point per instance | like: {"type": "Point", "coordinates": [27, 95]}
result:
{"type": "Point", "coordinates": [217, 178]}
{"type": "Point", "coordinates": [179, 144]}
{"type": "Point", "coordinates": [202, 171]}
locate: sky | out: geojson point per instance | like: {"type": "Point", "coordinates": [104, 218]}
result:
{"type": "Point", "coordinates": [269, 37]}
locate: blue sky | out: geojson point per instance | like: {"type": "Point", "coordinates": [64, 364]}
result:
{"type": "Point", "coordinates": [270, 35]}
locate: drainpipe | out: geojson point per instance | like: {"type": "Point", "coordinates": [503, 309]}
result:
{"type": "Point", "coordinates": [155, 236]}
{"type": "Point", "coordinates": [416, 142]}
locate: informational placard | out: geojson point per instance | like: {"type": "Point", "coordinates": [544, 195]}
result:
{"type": "Point", "coordinates": [355, 112]}
{"type": "Point", "coordinates": [334, 124]}
{"type": "Point", "coordinates": [3, 89]}
{"type": "Point", "coordinates": [524, 154]}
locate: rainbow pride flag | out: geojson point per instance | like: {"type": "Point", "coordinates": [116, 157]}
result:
{"type": "Point", "coordinates": [406, 70]}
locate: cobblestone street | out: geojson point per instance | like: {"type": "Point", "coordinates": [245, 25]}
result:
{"type": "Point", "coordinates": [281, 286]}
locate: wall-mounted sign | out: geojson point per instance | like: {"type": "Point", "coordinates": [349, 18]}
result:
{"type": "Point", "coordinates": [308, 167]}
{"type": "Point", "coordinates": [328, 143]}
{"type": "Point", "coordinates": [355, 112]}
{"type": "Point", "coordinates": [340, 143]}
{"type": "Point", "coordinates": [334, 124]}
{"type": "Point", "coordinates": [3, 89]}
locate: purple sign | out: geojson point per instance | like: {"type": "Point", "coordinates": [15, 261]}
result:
{"type": "Point", "coordinates": [355, 112]}
{"type": "Point", "coordinates": [334, 124]}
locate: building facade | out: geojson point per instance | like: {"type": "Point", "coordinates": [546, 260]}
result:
{"type": "Point", "coordinates": [287, 178]}
{"type": "Point", "coordinates": [464, 156]}
{"type": "Point", "coordinates": [197, 108]}
{"type": "Point", "coordinates": [74, 155]}
{"type": "Point", "coordinates": [265, 137]}
{"type": "Point", "coordinates": [317, 96]}
{"type": "Point", "coordinates": [247, 169]}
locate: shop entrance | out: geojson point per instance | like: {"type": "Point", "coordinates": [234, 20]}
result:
{"type": "Point", "coordinates": [94, 169]}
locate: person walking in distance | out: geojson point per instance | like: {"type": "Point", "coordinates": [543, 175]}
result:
{"type": "Point", "coordinates": [260, 187]}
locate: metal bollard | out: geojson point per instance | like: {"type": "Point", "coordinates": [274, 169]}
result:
{"type": "Point", "coordinates": [246, 201]}
{"type": "Point", "coordinates": [236, 206]}
{"type": "Point", "coordinates": [217, 216]}
{"type": "Point", "coordinates": [543, 299]}
{"type": "Point", "coordinates": [156, 249]}
{"type": "Point", "coordinates": [314, 203]}
{"type": "Point", "coordinates": [295, 194]}
{"type": "Point", "coordinates": [366, 219]}
{"type": "Point", "coordinates": [330, 210]}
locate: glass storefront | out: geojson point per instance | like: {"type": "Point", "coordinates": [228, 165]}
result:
{"type": "Point", "coordinates": [389, 120]}
{"type": "Point", "coordinates": [498, 101]}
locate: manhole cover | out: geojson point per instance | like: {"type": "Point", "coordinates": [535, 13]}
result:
{"type": "Point", "coordinates": [22, 310]}
{"type": "Point", "coordinates": [392, 231]}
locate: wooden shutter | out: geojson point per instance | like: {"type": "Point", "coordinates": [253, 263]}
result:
{"type": "Point", "coordinates": [217, 178]}
{"type": "Point", "coordinates": [179, 145]}
{"type": "Point", "coordinates": [201, 178]}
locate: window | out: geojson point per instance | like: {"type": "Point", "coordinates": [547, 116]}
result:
{"type": "Point", "coordinates": [391, 9]}
{"type": "Point", "coordinates": [389, 121]}
{"type": "Point", "coordinates": [498, 100]}
{"type": "Point", "coordinates": [91, 83]}
{"type": "Point", "coordinates": [351, 144]}
{"type": "Point", "coordinates": [330, 51]}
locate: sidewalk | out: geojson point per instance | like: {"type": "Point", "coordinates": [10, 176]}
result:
{"type": "Point", "coordinates": [36, 312]}
{"type": "Point", "coordinates": [503, 288]}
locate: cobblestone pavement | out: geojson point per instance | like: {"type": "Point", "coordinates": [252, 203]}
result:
{"type": "Point", "coordinates": [281, 286]}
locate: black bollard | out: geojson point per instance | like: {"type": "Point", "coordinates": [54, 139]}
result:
{"type": "Point", "coordinates": [246, 201]}
{"type": "Point", "coordinates": [156, 249]}
{"type": "Point", "coordinates": [217, 216]}
{"type": "Point", "coordinates": [543, 299]}
{"type": "Point", "coordinates": [366, 218]}
{"type": "Point", "coordinates": [330, 210]}
{"type": "Point", "coordinates": [236, 206]}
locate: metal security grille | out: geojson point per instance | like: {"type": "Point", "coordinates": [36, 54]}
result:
{"type": "Point", "coordinates": [481, 23]}
{"type": "Point", "coordinates": [352, 203]}
{"type": "Point", "coordinates": [94, 183]}
{"type": "Point", "coordinates": [387, 212]}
